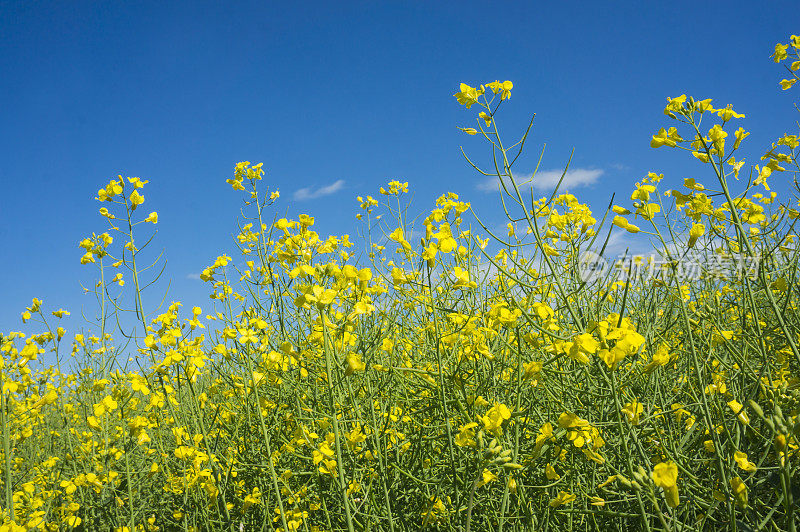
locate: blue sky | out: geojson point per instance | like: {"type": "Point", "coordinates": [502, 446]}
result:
{"type": "Point", "coordinates": [338, 97]}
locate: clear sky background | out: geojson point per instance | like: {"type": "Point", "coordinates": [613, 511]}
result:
{"type": "Point", "coordinates": [357, 93]}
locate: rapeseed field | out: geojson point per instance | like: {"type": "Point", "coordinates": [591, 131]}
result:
{"type": "Point", "coordinates": [435, 373]}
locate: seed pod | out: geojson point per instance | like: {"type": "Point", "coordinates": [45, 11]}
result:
{"type": "Point", "coordinates": [512, 465]}
{"type": "Point", "coordinates": [757, 409]}
{"type": "Point", "coordinates": [780, 425]}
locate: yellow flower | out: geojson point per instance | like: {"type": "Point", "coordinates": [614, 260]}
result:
{"type": "Point", "coordinates": [247, 336]}
{"type": "Point", "coordinates": [701, 106]}
{"type": "Point", "coordinates": [596, 501]}
{"type": "Point", "coordinates": [632, 411]}
{"type": "Point", "coordinates": [696, 232]}
{"type": "Point", "coordinates": [487, 476]}
{"type": "Point", "coordinates": [780, 52]}
{"type": "Point", "coordinates": [532, 370]}
{"type": "Point", "coordinates": [665, 475]}
{"type": "Point", "coordinates": [739, 491]}
{"type": "Point", "coordinates": [494, 418]}
{"type": "Point", "coordinates": [47, 399]}
{"type": "Point", "coordinates": [398, 235]}
{"type": "Point", "coordinates": [504, 89]}
{"type": "Point", "coordinates": [674, 105]}
{"type": "Point", "coordinates": [466, 435]}
{"type": "Point", "coordinates": [562, 498]}
{"type": "Point", "coordinates": [586, 343]}
{"type": "Point", "coordinates": [545, 433]}
{"type": "Point", "coordinates": [607, 481]}
{"type": "Point", "coordinates": [621, 222]}
{"type": "Point", "coordinates": [94, 423]}
{"type": "Point", "coordinates": [253, 498]}
{"type": "Point", "coordinates": [136, 182]}
{"type": "Point", "coordinates": [550, 473]}
{"type": "Point", "coordinates": [741, 459]}
{"type": "Point", "coordinates": [512, 485]}
{"type": "Point", "coordinates": [568, 420]}
{"type": "Point", "coordinates": [666, 137]}
{"type": "Point", "coordinates": [136, 199]}
{"type": "Point", "coordinates": [354, 364]}
{"type": "Point", "coordinates": [468, 95]}
{"type": "Point", "coordinates": [728, 113]}
{"type": "Point", "coordinates": [717, 136]}
{"type": "Point", "coordinates": [738, 409]}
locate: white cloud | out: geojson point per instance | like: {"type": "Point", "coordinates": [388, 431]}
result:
{"type": "Point", "coordinates": [547, 180]}
{"type": "Point", "coordinates": [193, 276]}
{"type": "Point", "coordinates": [622, 242]}
{"type": "Point", "coordinates": [308, 193]}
